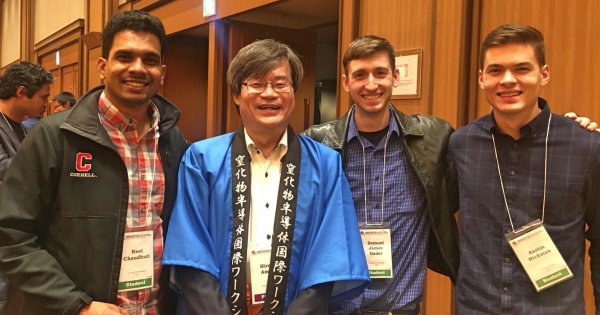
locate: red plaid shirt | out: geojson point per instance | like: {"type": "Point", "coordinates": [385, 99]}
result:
{"type": "Point", "coordinates": [146, 187]}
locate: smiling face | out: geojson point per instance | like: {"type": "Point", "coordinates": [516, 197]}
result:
{"type": "Point", "coordinates": [512, 79]}
{"type": "Point", "coordinates": [133, 72]}
{"type": "Point", "coordinates": [267, 112]}
{"type": "Point", "coordinates": [370, 82]}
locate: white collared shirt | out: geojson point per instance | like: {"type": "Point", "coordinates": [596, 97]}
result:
{"type": "Point", "coordinates": [266, 173]}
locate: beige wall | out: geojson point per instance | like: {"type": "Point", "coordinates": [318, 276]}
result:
{"type": "Point", "coordinates": [11, 32]}
{"type": "Point", "coordinates": [52, 15]}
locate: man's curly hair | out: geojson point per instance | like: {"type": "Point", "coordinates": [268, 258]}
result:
{"type": "Point", "coordinates": [26, 74]}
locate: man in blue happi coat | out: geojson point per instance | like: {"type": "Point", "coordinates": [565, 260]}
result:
{"type": "Point", "coordinates": [264, 219]}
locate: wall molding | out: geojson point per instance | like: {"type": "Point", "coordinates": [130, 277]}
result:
{"type": "Point", "coordinates": [62, 37]}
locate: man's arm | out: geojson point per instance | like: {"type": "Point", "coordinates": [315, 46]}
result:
{"type": "Point", "coordinates": [312, 301]}
{"type": "Point", "coordinates": [202, 295]}
{"type": "Point", "coordinates": [592, 219]}
{"type": "Point", "coordinates": [201, 291]}
{"type": "Point", "coordinates": [594, 253]}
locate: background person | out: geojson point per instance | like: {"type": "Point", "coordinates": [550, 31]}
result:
{"type": "Point", "coordinates": [24, 91]}
{"type": "Point", "coordinates": [63, 101]}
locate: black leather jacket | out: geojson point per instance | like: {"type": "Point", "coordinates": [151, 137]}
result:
{"type": "Point", "coordinates": [426, 141]}
{"type": "Point", "coordinates": [62, 226]}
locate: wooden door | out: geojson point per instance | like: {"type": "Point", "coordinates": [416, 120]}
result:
{"type": "Point", "coordinates": [65, 69]}
{"type": "Point", "coordinates": [304, 43]}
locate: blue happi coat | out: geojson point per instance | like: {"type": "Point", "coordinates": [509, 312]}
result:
{"type": "Point", "coordinates": [326, 247]}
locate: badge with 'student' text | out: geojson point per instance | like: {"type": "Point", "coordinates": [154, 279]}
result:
{"type": "Point", "coordinates": [137, 265]}
{"type": "Point", "coordinates": [377, 244]}
{"type": "Point", "coordinates": [538, 255]}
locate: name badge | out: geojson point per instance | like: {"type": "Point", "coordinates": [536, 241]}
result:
{"type": "Point", "coordinates": [137, 264]}
{"type": "Point", "coordinates": [538, 255]}
{"type": "Point", "coordinates": [259, 273]}
{"type": "Point", "coordinates": [377, 244]}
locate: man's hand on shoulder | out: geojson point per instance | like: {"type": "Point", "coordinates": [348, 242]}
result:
{"type": "Point", "coordinates": [584, 122]}
{"type": "Point", "coordinates": [99, 308]}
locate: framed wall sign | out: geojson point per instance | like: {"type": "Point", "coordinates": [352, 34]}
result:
{"type": "Point", "coordinates": [408, 63]}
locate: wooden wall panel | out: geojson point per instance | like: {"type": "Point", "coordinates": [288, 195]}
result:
{"type": "Point", "coordinates": [95, 20]}
{"type": "Point", "coordinates": [69, 80]}
{"type": "Point", "coordinates": [448, 80]}
{"type": "Point", "coordinates": [93, 75]}
{"type": "Point", "coordinates": [54, 88]}
{"type": "Point", "coordinates": [217, 88]}
{"type": "Point", "coordinates": [66, 75]}
{"type": "Point", "coordinates": [570, 30]}
{"type": "Point", "coordinates": [186, 86]}
{"type": "Point", "coordinates": [348, 30]}
{"type": "Point", "coordinates": [451, 60]}
{"type": "Point", "coordinates": [406, 24]}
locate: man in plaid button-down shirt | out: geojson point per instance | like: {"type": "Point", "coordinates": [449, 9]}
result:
{"type": "Point", "coordinates": [86, 205]}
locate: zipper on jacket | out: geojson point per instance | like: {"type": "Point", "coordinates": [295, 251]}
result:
{"type": "Point", "coordinates": [168, 153]}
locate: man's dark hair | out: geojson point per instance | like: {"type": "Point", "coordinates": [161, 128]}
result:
{"type": "Point", "coordinates": [366, 46]}
{"type": "Point", "coordinates": [257, 58]}
{"type": "Point", "coordinates": [26, 74]}
{"type": "Point", "coordinates": [515, 34]}
{"type": "Point", "coordinates": [134, 20]}
{"type": "Point", "coordinates": [65, 97]}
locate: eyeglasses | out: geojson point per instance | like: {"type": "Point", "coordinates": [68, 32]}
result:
{"type": "Point", "coordinates": [257, 86]}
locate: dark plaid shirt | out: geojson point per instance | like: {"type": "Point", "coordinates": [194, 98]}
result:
{"type": "Point", "coordinates": [404, 208]}
{"type": "Point", "coordinates": [490, 279]}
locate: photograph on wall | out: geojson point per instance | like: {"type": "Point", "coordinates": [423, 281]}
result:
{"type": "Point", "coordinates": [408, 63]}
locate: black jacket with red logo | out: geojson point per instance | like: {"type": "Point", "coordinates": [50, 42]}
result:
{"type": "Point", "coordinates": [62, 226]}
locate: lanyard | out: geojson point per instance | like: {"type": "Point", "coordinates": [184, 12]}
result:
{"type": "Point", "coordinates": [387, 137]}
{"type": "Point", "coordinates": [545, 175]}
{"type": "Point", "coordinates": [9, 125]}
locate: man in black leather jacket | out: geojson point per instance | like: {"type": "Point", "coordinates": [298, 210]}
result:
{"type": "Point", "coordinates": [88, 180]}
{"type": "Point", "coordinates": [395, 164]}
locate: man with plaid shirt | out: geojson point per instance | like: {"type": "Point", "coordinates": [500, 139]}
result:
{"type": "Point", "coordinates": [84, 204]}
